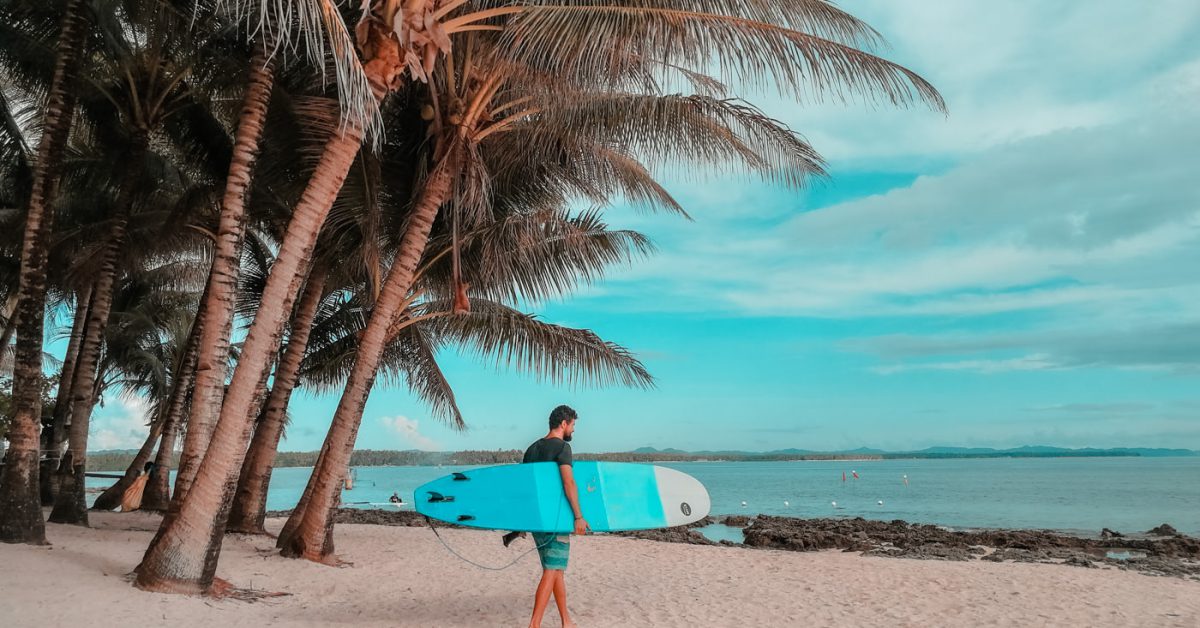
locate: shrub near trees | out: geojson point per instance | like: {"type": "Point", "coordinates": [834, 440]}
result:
{"type": "Point", "coordinates": [358, 188]}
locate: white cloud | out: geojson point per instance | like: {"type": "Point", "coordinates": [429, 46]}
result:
{"type": "Point", "coordinates": [409, 430]}
{"type": "Point", "coordinates": [1170, 348]}
{"type": "Point", "coordinates": [1026, 363]}
{"type": "Point", "coordinates": [1009, 71]}
{"type": "Point", "coordinates": [121, 424]}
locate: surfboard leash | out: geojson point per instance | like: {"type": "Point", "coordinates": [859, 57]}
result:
{"type": "Point", "coordinates": [480, 565]}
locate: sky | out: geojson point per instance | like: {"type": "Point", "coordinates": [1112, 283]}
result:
{"type": "Point", "coordinates": [1025, 270]}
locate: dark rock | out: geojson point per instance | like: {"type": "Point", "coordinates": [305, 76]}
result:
{"type": "Point", "coordinates": [1110, 534]}
{"type": "Point", "coordinates": [1164, 530]}
{"type": "Point", "coordinates": [680, 534]}
{"type": "Point", "coordinates": [736, 521]}
{"type": "Point", "coordinates": [1079, 561]}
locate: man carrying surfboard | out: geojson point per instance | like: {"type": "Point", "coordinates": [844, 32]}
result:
{"type": "Point", "coordinates": [554, 549]}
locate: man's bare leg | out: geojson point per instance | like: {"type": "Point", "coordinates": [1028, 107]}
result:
{"type": "Point", "coordinates": [542, 597]}
{"type": "Point", "coordinates": [560, 598]}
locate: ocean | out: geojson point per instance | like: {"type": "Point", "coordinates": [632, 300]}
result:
{"type": "Point", "coordinates": [1078, 495]}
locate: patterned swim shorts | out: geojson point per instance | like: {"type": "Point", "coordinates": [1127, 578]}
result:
{"type": "Point", "coordinates": [553, 549]}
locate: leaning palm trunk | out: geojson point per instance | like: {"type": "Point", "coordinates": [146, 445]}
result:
{"type": "Point", "coordinates": [169, 414]}
{"type": "Point", "coordinates": [70, 505]}
{"type": "Point", "coordinates": [311, 539]}
{"type": "Point", "coordinates": [250, 502]}
{"type": "Point", "coordinates": [113, 495]}
{"type": "Point", "coordinates": [157, 495]}
{"type": "Point", "coordinates": [183, 556]}
{"type": "Point", "coordinates": [217, 309]}
{"type": "Point", "coordinates": [55, 436]}
{"type": "Point", "coordinates": [20, 508]}
{"type": "Point", "coordinates": [293, 522]}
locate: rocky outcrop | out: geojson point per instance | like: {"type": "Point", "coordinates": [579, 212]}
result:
{"type": "Point", "coordinates": [1178, 555]}
{"type": "Point", "coordinates": [1164, 530]}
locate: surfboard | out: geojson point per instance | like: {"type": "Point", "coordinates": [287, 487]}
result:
{"type": "Point", "coordinates": [613, 496]}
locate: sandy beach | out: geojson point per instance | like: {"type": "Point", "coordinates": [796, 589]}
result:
{"type": "Point", "coordinates": [399, 576]}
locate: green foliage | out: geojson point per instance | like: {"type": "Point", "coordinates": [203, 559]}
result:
{"type": "Point", "coordinates": [6, 402]}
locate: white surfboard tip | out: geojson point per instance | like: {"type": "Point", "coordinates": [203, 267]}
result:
{"type": "Point", "coordinates": [684, 498]}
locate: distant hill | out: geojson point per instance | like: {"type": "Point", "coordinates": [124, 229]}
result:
{"type": "Point", "coordinates": [1026, 451]}
{"type": "Point", "coordinates": [118, 459]}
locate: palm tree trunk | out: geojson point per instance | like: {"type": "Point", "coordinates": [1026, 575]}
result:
{"type": "Point", "coordinates": [293, 522]}
{"type": "Point", "coordinates": [157, 495]}
{"type": "Point", "coordinates": [311, 539]}
{"type": "Point", "coordinates": [70, 505]}
{"type": "Point", "coordinates": [250, 501]}
{"type": "Point", "coordinates": [217, 310]}
{"type": "Point", "coordinates": [20, 507]}
{"type": "Point", "coordinates": [111, 497]}
{"type": "Point", "coordinates": [55, 436]}
{"type": "Point", "coordinates": [169, 414]}
{"type": "Point", "coordinates": [183, 556]}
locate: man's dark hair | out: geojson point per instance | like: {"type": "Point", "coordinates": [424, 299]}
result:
{"type": "Point", "coordinates": [561, 415]}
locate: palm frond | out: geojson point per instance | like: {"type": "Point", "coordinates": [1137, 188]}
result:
{"type": "Point", "coordinates": [586, 42]}
{"type": "Point", "coordinates": [552, 353]}
{"type": "Point", "coordinates": [318, 27]}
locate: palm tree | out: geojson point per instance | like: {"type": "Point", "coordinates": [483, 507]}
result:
{"type": "Point", "coordinates": [396, 40]}
{"type": "Point", "coordinates": [20, 506]}
{"type": "Point", "coordinates": [150, 350]}
{"type": "Point", "coordinates": [477, 106]}
{"type": "Point", "coordinates": [144, 80]}
{"type": "Point", "coordinates": [216, 312]}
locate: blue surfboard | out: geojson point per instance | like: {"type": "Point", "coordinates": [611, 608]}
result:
{"type": "Point", "coordinates": [529, 497]}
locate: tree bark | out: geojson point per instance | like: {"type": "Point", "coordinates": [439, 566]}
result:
{"type": "Point", "coordinates": [217, 310]}
{"type": "Point", "coordinates": [20, 507]}
{"type": "Point", "coordinates": [157, 496]}
{"type": "Point", "coordinates": [250, 500]}
{"type": "Point", "coordinates": [70, 504]}
{"type": "Point", "coordinates": [183, 556]}
{"type": "Point", "coordinates": [54, 438]}
{"type": "Point", "coordinates": [111, 497]}
{"type": "Point", "coordinates": [312, 538]}
{"type": "Point", "coordinates": [170, 413]}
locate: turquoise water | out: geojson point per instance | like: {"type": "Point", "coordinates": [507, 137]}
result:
{"type": "Point", "coordinates": [1079, 494]}
{"type": "Point", "coordinates": [1073, 494]}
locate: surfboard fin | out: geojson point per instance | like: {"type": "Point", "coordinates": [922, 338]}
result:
{"type": "Point", "coordinates": [435, 497]}
{"type": "Point", "coordinates": [460, 477]}
{"type": "Point", "coordinates": [465, 518]}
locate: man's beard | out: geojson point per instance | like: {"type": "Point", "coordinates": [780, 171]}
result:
{"type": "Point", "coordinates": [567, 437]}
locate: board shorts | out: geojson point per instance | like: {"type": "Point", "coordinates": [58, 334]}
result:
{"type": "Point", "coordinates": [553, 549]}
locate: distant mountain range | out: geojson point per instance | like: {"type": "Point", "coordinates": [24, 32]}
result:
{"type": "Point", "coordinates": [118, 460]}
{"type": "Point", "coordinates": [929, 452]}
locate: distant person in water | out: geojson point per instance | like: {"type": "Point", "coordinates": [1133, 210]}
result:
{"type": "Point", "coordinates": [554, 549]}
{"type": "Point", "coordinates": [395, 498]}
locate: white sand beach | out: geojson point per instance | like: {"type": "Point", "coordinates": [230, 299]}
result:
{"type": "Point", "coordinates": [403, 577]}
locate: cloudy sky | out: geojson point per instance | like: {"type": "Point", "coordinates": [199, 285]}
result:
{"type": "Point", "coordinates": [1025, 270]}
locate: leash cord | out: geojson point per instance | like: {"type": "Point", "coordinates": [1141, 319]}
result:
{"type": "Point", "coordinates": [489, 567]}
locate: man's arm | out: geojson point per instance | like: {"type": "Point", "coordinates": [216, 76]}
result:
{"type": "Point", "coordinates": [572, 493]}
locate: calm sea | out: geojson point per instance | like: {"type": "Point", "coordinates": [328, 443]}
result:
{"type": "Point", "coordinates": [1071, 494]}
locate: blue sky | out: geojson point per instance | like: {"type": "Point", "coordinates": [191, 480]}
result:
{"type": "Point", "coordinates": [1026, 270]}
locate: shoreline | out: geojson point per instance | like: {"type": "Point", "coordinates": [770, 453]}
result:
{"type": "Point", "coordinates": [1166, 553]}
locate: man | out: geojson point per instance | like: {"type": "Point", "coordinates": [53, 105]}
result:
{"type": "Point", "coordinates": [554, 549]}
